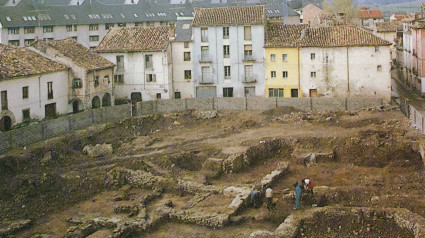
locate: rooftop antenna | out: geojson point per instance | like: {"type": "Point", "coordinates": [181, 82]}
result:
{"type": "Point", "coordinates": [285, 12]}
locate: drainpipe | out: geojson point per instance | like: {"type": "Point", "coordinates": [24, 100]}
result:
{"type": "Point", "coordinates": [348, 74]}
{"type": "Point", "coordinates": [39, 91]}
{"type": "Point", "coordinates": [299, 73]}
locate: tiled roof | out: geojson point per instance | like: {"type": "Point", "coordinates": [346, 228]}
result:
{"type": "Point", "coordinates": [80, 55]}
{"type": "Point", "coordinates": [281, 35]}
{"type": "Point", "coordinates": [336, 36]}
{"type": "Point", "coordinates": [7, 47]}
{"type": "Point", "coordinates": [370, 13]}
{"type": "Point", "coordinates": [252, 15]}
{"type": "Point", "coordinates": [21, 62]}
{"type": "Point", "coordinates": [136, 39]}
{"type": "Point", "coordinates": [388, 26]}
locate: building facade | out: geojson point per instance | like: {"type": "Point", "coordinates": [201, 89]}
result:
{"type": "Point", "coordinates": [91, 81]}
{"type": "Point", "coordinates": [32, 87]}
{"type": "Point", "coordinates": [228, 51]}
{"type": "Point", "coordinates": [143, 65]}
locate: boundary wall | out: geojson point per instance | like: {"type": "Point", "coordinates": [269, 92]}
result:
{"type": "Point", "coordinates": [61, 125]}
{"type": "Point", "coordinates": [55, 127]}
{"type": "Point", "coordinates": [256, 103]}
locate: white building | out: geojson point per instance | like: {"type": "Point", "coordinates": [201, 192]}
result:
{"type": "Point", "coordinates": [183, 85]}
{"type": "Point", "coordinates": [143, 61]}
{"type": "Point", "coordinates": [32, 87]}
{"type": "Point", "coordinates": [88, 21]}
{"type": "Point", "coordinates": [91, 80]}
{"type": "Point", "coordinates": [344, 61]}
{"type": "Point", "coordinates": [228, 51]}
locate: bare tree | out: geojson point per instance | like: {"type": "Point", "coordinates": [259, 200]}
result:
{"type": "Point", "coordinates": [350, 9]}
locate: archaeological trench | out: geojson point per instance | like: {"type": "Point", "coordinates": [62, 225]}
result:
{"type": "Point", "coordinates": [190, 174]}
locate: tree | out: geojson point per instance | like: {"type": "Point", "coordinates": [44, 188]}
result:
{"type": "Point", "coordinates": [350, 9]}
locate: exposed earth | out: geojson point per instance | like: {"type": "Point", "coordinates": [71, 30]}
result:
{"type": "Point", "coordinates": [188, 174]}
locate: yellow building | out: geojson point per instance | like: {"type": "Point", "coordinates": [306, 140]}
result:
{"type": "Point", "coordinates": [282, 60]}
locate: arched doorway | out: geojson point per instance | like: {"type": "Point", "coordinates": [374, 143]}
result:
{"type": "Point", "coordinates": [5, 123]}
{"type": "Point", "coordinates": [95, 102]}
{"type": "Point", "coordinates": [106, 100]}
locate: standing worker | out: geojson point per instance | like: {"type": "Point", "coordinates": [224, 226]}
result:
{"type": "Point", "coordinates": [298, 194]}
{"type": "Point", "coordinates": [269, 196]}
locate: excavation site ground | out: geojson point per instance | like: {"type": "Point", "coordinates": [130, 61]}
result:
{"type": "Point", "coordinates": [190, 174]}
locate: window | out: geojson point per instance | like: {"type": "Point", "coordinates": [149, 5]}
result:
{"type": "Point", "coordinates": [28, 41]}
{"type": "Point", "coordinates": [188, 74]}
{"type": "Point", "coordinates": [13, 30]}
{"type": "Point", "coordinates": [93, 27]}
{"type": "Point", "coordinates": [149, 24]}
{"type": "Point", "coordinates": [119, 78]}
{"type": "Point", "coordinates": [26, 115]}
{"type": "Point", "coordinates": [285, 74]}
{"type": "Point", "coordinates": [205, 53]}
{"type": "Point", "coordinates": [120, 62]}
{"type": "Point", "coordinates": [206, 74]}
{"type": "Point", "coordinates": [49, 90]}
{"type": "Point", "coordinates": [14, 42]}
{"type": "Point", "coordinates": [248, 73]}
{"type": "Point", "coordinates": [76, 83]}
{"type": "Point", "coordinates": [273, 74]}
{"type": "Point", "coordinates": [285, 57]}
{"type": "Point", "coordinates": [313, 93]}
{"type": "Point", "coordinates": [186, 45]}
{"type": "Point", "coordinates": [313, 74]}
{"type": "Point", "coordinates": [247, 33]}
{"type": "Point", "coordinates": [150, 78]}
{"type": "Point", "coordinates": [276, 92]}
{"type": "Point", "coordinates": [106, 80]}
{"type": "Point", "coordinates": [227, 92]}
{"type": "Point", "coordinates": [109, 25]}
{"type": "Point", "coordinates": [379, 68]}
{"type": "Point", "coordinates": [48, 39]}
{"type": "Point", "coordinates": [25, 92]}
{"type": "Point", "coordinates": [272, 57]}
{"type": "Point", "coordinates": [158, 96]}
{"type": "Point", "coordinates": [94, 38]}
{"type": "Point", "coordinates": [29, 30]}
{"type": "Point", "coordinates": [204, 34]}
{"type": "Point", "coordinates": [248, 52]}
{"type": "Point", "coordinates": [4, 103]}
{"type": "Point", "coordinates": [135, 24]}
{"type": "Point", "coordinates": [294, 93]}
{"type": "Point", "coordinates": [75, 38]}
{"type": "Point", "coordinates": [226, 51]}
{"type": "Point", "coordinates": [312, 56]}
{"type": "Point", "coordinates": [75, 27]}
{"type": "Point", "coordinates": [186, 56]}
{"type": "Point", "coordinates": [121, 24]}
{"type": "Point", "coordinates": [47, 29]}
{"type": "Point", "coordinates": [96, 81]}
{"type": "Point", "coordinates": [227, 72]}
{"type": "Point", "coordinates": [148, 62]}
{"type": "Point", "coordinates": [376, 48]}
{"type": "Point", "coordinates": [177, 95]}
{"type": "Point", "coordinates": [226, 32]}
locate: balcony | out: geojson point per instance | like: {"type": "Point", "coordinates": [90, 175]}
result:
{"type": "Point", "coordinates": [249, 79]}
{"type": "Point", "coordinates": [248, 58]}
{"type": "Point", "coordinates": [205, 59]}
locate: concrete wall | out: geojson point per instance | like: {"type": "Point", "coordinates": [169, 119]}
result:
{"type": "Point", "coordinates": [256, 103]}
{"type": "Point", "coordinates": [51, 128]}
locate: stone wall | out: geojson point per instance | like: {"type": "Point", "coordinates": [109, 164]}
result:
{"type": "Point", "coordinates": [55, 127]}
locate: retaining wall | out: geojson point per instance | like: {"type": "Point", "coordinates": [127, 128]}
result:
{"type": "Point", "coordinates": [55, 127]}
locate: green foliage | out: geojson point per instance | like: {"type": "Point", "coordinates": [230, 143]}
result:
{"type": "Point", "coordinates": [347, 7]}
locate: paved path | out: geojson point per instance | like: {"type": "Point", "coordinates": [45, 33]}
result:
{"type": "Point", "coordinates": [400, 89]}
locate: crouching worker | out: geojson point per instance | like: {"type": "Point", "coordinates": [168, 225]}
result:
{"type": "Point", "coordinates": [309, 185]}
{"type": "Point", "coordinates": [254, 198]}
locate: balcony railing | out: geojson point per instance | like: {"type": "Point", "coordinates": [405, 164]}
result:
{"type": "Point", "coordinates": [249, 79]}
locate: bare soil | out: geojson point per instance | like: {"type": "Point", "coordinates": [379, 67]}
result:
{"type": "Point", "coordinates": [375, 163]}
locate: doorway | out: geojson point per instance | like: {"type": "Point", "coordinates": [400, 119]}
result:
{"type": "Point", "coordinates": [5, 123]}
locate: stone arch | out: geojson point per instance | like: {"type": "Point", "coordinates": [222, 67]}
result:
{"type": "Point", "coordinates": [95, 102]}
{"type": "Point", "coordinates": [106, 100]}
{"type": "Point", "coordinates": [7, 120]}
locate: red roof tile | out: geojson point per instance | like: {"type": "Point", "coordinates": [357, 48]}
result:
{"type": "Point", "coordinates": [252, 15]}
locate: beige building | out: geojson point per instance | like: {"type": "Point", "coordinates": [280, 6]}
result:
{"type": "Point", "coordinates": [91, 81]}
{"type": "Point", "coordinates": [311, 15]}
